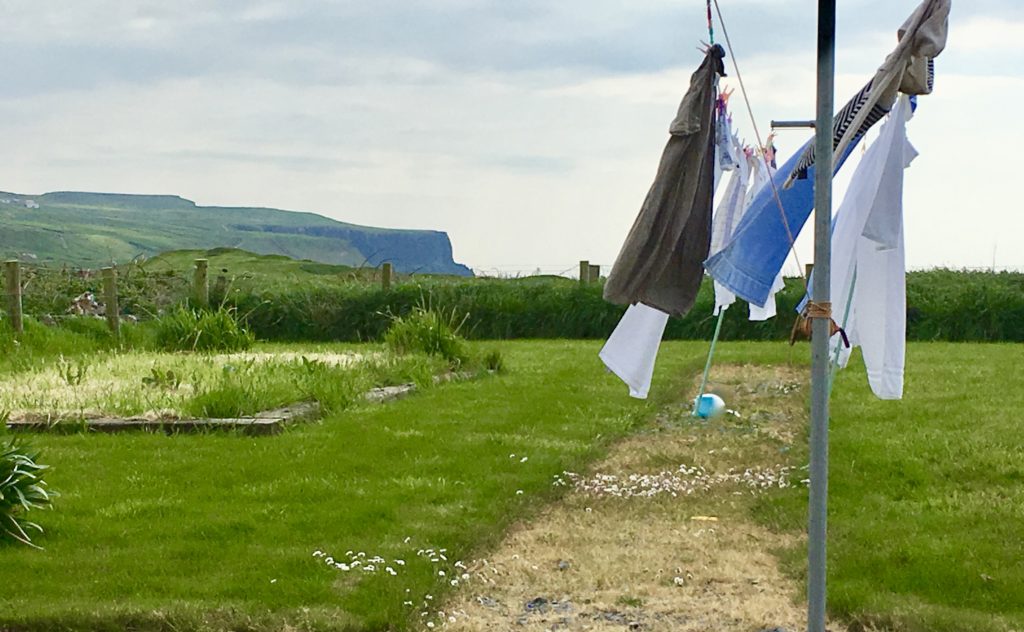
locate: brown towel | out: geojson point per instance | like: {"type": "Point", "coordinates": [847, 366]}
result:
{"type": "Point", "coordinates": [661, 262]}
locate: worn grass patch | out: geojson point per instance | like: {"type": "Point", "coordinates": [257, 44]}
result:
{"type": "Point", "coordinates": [657, 535]}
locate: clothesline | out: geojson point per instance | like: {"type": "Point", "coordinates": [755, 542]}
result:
{"type": "Point", "coordinates": [760, 143]}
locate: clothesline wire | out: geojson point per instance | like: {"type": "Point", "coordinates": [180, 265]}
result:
{"type": "Point", "coordinates": [764, 157]}
{"type": "Point", "coordinates": [775, 191]}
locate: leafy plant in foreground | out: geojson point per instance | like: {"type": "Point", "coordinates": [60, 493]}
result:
{"type": "Point", "coordinates": [162, 379]}
{"type": "Point", "coordinates": [21, 490]}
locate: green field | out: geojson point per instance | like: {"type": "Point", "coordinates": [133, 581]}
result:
{"type": "Point", "coordinates": [218, 531]}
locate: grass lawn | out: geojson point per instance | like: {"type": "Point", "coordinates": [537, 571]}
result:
{"type": "Point", "coordinates": [926, 502]}
{"type": "Point", "coordinates": [218, 531]}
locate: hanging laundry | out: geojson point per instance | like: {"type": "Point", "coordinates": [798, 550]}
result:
{"type": "Point", "coordinates": [727, 216]}
{"type": "Point", "coordinates": [765, 170]}
{"type": "Point", "coordinates": [762, 167]}
{"type": "Point", "coordinates": [768, 310]}
{"type": "Point", "coordinates": [660, 261]}
{"type": "Point", "coordinates": [750, 264]}
{"type": "Point", "coordinates": [633, 347]}
{"type": "Point", "coordinates": [868, 284]}
{"type": "Point", "coordinates": [725, 143]}
{"type": "Point", "coordinates": [730, 210]}
{"type": "Point", "coordinates": [909, 69]}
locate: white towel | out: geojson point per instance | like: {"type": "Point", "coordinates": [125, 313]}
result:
{"type": "Point", "coordinates": [868, 256]}
{"type": "Point", "coordinates": [633, 347]}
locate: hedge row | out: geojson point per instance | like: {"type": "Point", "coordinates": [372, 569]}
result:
{"type": "Point", "coordinates": [942, 305]}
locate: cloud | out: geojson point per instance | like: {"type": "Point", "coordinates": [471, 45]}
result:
{"type": "Point", "coordinates": [530, 130]}
{"type": "Point", "coordinates": [990, 35]}
{"type": "Point", "coordinates": [96, 43]}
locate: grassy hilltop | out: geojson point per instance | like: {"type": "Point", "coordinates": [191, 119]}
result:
{"type": "Point", "coordinates": [89, 229]}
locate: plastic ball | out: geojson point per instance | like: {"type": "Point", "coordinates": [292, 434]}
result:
{"type": "Point", "coordinates": [708, 406]}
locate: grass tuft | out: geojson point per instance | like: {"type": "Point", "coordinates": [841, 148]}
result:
{"type": "Point", "coordinates": [185, 329]}
{"type": "Point", "coordinates": [428, 330]}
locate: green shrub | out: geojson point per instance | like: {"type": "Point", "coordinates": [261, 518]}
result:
{"type": "Point", "coordinates": [185, 329]}
{"type": "Point", "coordinates": [21, 490]}
{"type": "Point", "coordinates": [429, 331]}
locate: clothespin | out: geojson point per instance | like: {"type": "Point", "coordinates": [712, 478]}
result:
{"type": "Point", "coordinates": [769, 149]}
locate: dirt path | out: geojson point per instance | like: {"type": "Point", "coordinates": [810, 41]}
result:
{"type": "Point", "coordinates": [658, 536]}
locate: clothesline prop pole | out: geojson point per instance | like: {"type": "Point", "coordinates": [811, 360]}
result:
{"type": "Point", "coordinates": [707, 365]}
{"type": "Point", "coordinates": [820, 326]}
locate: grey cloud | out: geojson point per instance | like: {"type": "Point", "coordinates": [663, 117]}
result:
{"type": "Point", "coordinates": [312, 43]}
{"type": "Point", "coordinates": [286, 161]}
{"type": "Point", "coordinates": [546, 165]}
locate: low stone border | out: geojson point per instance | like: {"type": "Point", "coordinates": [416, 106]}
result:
{"type": "Point", "coordinates": [269, 422]}
{"type": "Point", "coordinates": [383, 394]}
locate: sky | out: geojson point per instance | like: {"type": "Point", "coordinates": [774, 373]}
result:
{"type": "Point", "coordinates": [528, 130]}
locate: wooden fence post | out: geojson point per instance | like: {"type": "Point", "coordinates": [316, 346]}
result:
{"type": "Point", "coordinates": [385, 276]}
{"type": "Point", "coordinates": [201, 284]}
{"type": "Point", "coordinates": [595, 273]}
{"type": "Point", "coordinates": [220, 288]}
{"type": "Point", "coordinates": [13, 282]}
{"type": "Point", "coordinates": [584, 272]}
{"type": "Point", "coordinates": [110, 300]}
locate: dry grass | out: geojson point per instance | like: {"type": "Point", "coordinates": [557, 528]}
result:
{"type": "Point", "coordinates": [345, 359]}
{"type": "Point", "coordinates": [599, 560]}
{"type": "Point", "coordinates": [112, 384]}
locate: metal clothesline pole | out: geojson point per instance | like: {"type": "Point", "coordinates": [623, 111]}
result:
{"type": "Point", "coordinates": [820, 327]}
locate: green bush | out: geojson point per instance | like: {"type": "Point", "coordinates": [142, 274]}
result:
{"type": "Point", "coordinates": [185, 329]}
{"type": "Point", "coordinates": [956, 305]}
{"type": "Point", "coordinates": [429, 331]}
{"type": "Point", "coordinates": [21, 490]}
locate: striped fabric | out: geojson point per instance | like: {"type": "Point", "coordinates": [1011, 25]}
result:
{"type": "Point", "coordinates": [840, 124]}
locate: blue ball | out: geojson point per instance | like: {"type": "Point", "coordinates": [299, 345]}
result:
{"type": "Point", "coordinates": [708, 406]}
